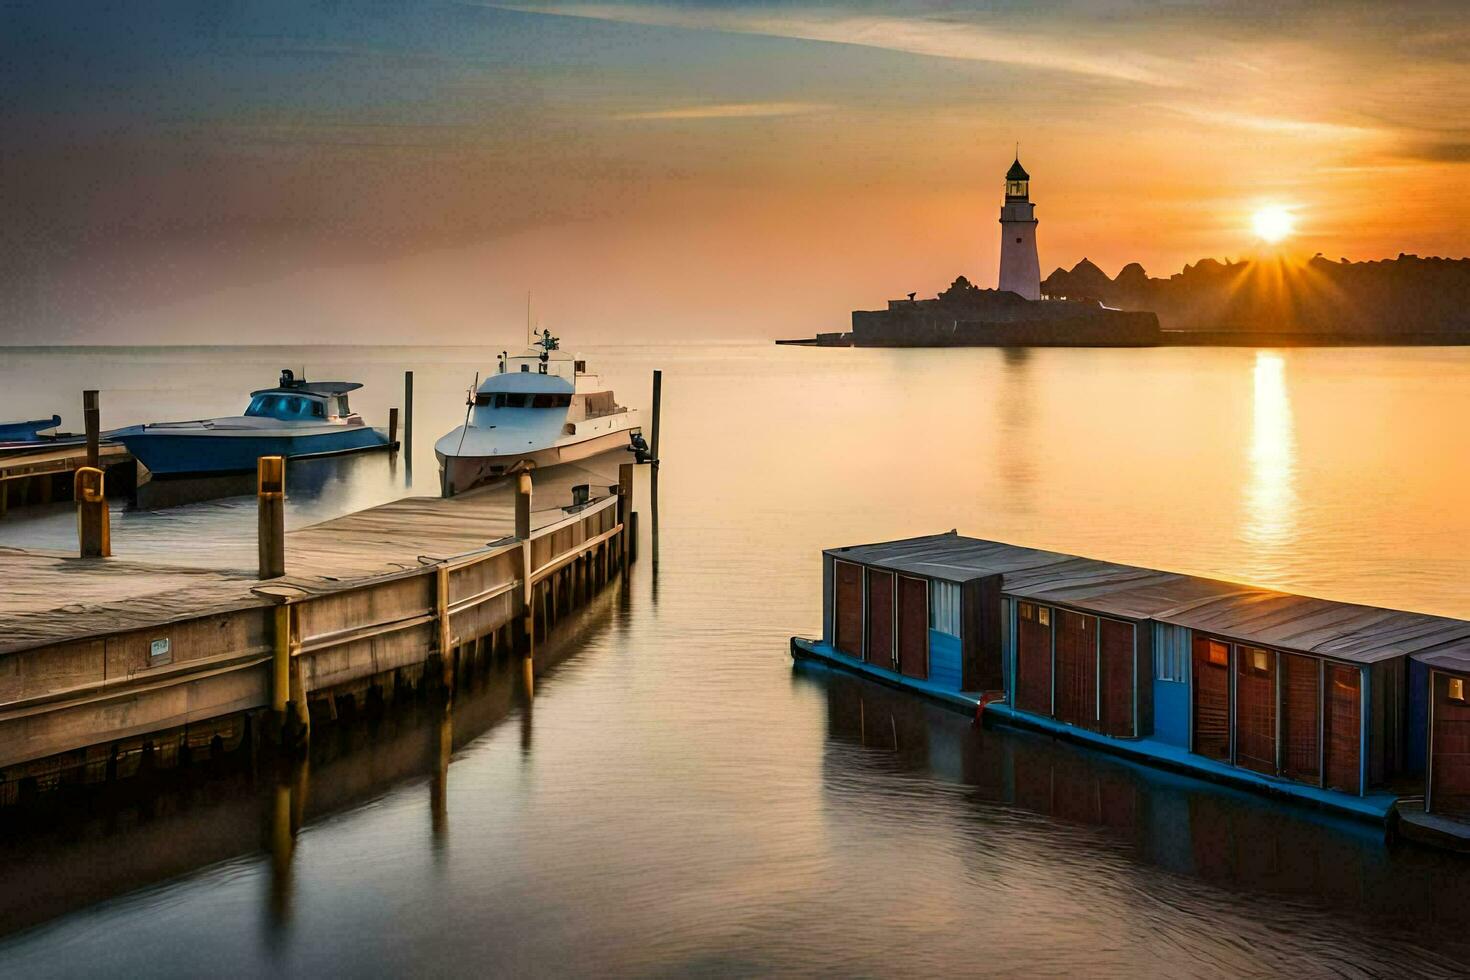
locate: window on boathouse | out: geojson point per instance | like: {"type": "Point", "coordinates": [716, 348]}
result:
{"type": "Point", "coordinates": [1171, 652]}
{"type": "Point", "coordinates": [944, 607]}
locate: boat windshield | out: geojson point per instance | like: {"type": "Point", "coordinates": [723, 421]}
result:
{"type": "Point", "coordinates": [516, 399]}
{"type": "Point", "coordinates": [274, 406]}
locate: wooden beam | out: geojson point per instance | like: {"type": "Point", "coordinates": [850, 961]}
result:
{"type": "Point", "coordinates": [270, 492]}
{"type": "Point", "coordinates": [625, 506]}
{"type": "Point", "coordinates": [92, 418]}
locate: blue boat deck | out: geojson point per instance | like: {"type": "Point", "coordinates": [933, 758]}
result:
{"type": "Point", "coordinates": [1374, 806]}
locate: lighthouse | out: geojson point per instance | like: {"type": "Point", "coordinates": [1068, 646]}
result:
{"type": "Point", "coordinates": [1020, 271]}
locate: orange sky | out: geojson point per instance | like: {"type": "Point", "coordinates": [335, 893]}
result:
{"type": "Point", "coordinates": [694, 171]}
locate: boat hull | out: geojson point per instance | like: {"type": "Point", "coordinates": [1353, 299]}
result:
{"type": "Point", "coordinates": [173, 454]}
{"type": "Point", "coordinates": [460, 473]}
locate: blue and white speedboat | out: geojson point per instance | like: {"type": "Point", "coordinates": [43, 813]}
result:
{"type": "Point", "coordinates": [295, 419]}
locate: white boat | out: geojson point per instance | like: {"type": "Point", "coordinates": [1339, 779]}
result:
{"type": "Point", "coordinates": [540, 408]}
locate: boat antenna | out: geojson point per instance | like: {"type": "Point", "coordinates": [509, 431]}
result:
{"type": "Point", "coordinates": [469, 403]}
{"type": "Point", "coordinates": [528, 318]}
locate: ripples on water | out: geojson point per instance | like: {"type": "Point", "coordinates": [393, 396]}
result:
{"type": "Point", "coordinates": [673, 796]}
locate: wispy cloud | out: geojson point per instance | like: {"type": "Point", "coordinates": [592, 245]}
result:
{"type": "Point", "coordinates": [929, 36]}
{"type": "Point", "coordinates": [1273, 124]}
{"type": "Point", "coordinates": [729, 110]}
{"type": "Point", "coordinates": [1445, 151]}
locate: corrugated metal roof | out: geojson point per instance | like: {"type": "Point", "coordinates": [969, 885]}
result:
{"type": "Point", "coordinates": [1346, 631]}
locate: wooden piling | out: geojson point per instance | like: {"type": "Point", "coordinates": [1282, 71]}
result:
{"type": "Point", "coordinates": [653, 447]}
{"type": "Point", "coordinates": [408, 417]}
{"type": "Point", "coordinates": [270, 491]}
{"type": "Point", "coordinates": [92, 418]}
{"type": "Point", "coordinates": [393, 428]}
{"type": "Point", "coordinates": [658, 398]}
{"type": "Point", "coordinates": [523, 532]}
{"type": "Point", "coordinates": [625, 507]}
{"type": "Point", "coordinates": [94, 531]}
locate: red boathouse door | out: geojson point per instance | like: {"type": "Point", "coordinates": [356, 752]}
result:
{"type": "Point", "coordinates": [1211, 698]}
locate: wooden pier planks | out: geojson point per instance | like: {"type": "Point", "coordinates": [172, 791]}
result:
{"type": "Point", "coordinates": [51, 598]}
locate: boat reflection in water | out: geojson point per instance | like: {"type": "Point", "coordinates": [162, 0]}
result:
{"type": "Point", "coordinates": [69, 853]}
{"type": "Point", "coordinates": [1181, 843]}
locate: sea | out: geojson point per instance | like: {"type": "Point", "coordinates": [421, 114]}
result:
{"type": "Point", "coordinates": [667, 793]}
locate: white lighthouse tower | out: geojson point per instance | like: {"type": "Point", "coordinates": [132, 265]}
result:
{"type": "Point", "coordinates": [1020, 271]}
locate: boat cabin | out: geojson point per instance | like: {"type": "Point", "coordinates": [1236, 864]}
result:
{"type": "Point", "coordinates": [298, 399]}
{"type": "Point", "coordinates": [542, 377]}
{"type": "Point", "coordinates": [1329, 695]}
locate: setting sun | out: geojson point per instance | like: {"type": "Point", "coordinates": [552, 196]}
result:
{"type": "Point", "coordinates": [1272, 224]}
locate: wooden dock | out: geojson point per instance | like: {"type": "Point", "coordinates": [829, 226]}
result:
{"type": "Point", "coordinates": [106, 661]}
{"type": "Point", "coordinates": [44, 475]}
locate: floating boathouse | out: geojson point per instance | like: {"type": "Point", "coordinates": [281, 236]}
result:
{"type": "Point", "coordinates": [1342, 705]}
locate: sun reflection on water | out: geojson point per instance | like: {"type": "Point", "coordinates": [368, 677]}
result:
{"type": "Point", "coordinates": [1270, 498]}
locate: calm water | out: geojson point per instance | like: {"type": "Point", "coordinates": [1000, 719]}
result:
{"type": "Point", "coordinates": [669, 795]}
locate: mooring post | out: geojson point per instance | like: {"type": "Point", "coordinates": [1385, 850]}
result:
{"type": "Point", "coordinates": [632, 536]}
{"type": "Point", "coordinates": [393, 429]}
{"type": "Point", "coordinates": [658, 397]}
{"type": "Point", "coordinates": [92, 419]}
{"type": "Point", "coordinates": [270, 492]}
{"type": "Point", "coordinates": [94, 532]}
{"type": "Point", "coordinates": [523, 532]}
{"type": "Point", "coordinates": [625, 507]}
{"type": "Point", "coordinates": [408, 417]}
{"type": "Point", "coordinates": [658, 400]}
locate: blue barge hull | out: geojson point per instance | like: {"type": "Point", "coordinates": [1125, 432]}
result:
{"type": "Point", "coordinates": [1374, 807]}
